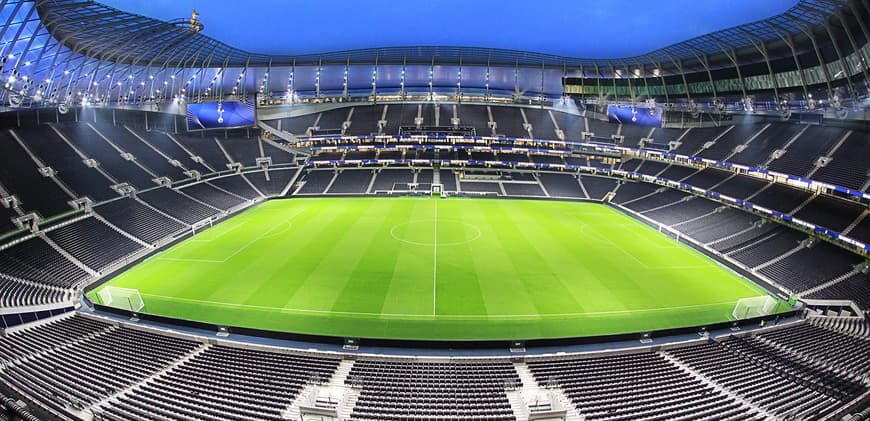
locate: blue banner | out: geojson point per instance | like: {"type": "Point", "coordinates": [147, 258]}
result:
{"type": "Point", "coordinates": [627, 114]}
{"type": "Point", "coordinates": [220, 115]}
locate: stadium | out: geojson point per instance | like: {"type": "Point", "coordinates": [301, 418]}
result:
{"type": "Point", "coordinates": [216, 215]}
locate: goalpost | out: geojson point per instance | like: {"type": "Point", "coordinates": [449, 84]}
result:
{"type": "Point", "coordinates": [201, 225]}
{"type": "Point", "coordinates": [747, 308]}
{"type": "Point", "coordinates": [122, 298]}
{"type": "Point", "coordinates": [670, 232]}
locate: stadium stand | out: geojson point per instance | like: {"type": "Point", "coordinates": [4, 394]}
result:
{"type": "Point", "coordinates": [778, 196]}
{"type": "Point", "coordinates": [89, 142]}
{"type": "Point", "coordinates": [351, 182]}
{"type": "Point", "coordinates": [726, 145]}
{"type": "Point", "coordinates": [93, 243]}
{"type": "Point", "coordinates": [111, 357]}
{"type": "Point", "coordinates": [316, 182]}
{"type": "Point", "coordinates": [688, 207]}
{"type": "Point", "coordinates": [270, 183]}
{"type": "Point", "coordinates": [524, 189]}
{"type": "Point", "coordinates": [240, 149]}
{"type": "Point", "coordinates": [49, 147]}
{"type": "Point", "coordinates": [766, 386]}
{"type": "Point", "coordinates": [35, 260]}
{"type": "Point", "coordinates": [223, 382]}
{"type": "Point", "coordinates": [765, 249]}
{"type": "Point", "coordinates": [389, 179]}
{"type": "Point", "coordinates": [598, 187]}
{"type": "Point", "coordinates": [187, 146]}
{"type": "Point", "coordinates": [695, 138]}
{"type": "Point", "coordinates": [800, 156]}
{"type": "Point", "coordinates": [719, 223]}
{"type": "Point", "coordinates": [561, 185]}
{"type": "Point", "coordinates": [200, 201]}
{"type": "Point", "coordinates": [457, 390]}
{"type": "Point", "coordinates": [741, 186]}
{"type": "Point", "coordinates": [212, 196]}
{"type": "Point", "coordinates": [237, 185]}
{"type": "Point", "coordinates": [847, 167]}
{"type": "Point", "coordinates": [139, 220]}
{"type": "Point", "coordinates": [20, 293]}
{"type": "Point", "coordinates": [97, 172]}
{"type": "Point", "coordinates": [156, 160]}
{"type": "Point", "coordinates": [177, 205]}
{"type": "Point", "coordinates": [808, 267]}
{"type": "Point", "coordinates": [855, 286]}
{"type": "Point", "coordinates": [636, 386]}
{"type": "Point", "coordinates": [803, 369]}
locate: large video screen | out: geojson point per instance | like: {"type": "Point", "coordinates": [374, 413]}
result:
{"type": "Point", "coordinates": [220, 115]}
{"type": "Point", "coordinates": [642, 116]}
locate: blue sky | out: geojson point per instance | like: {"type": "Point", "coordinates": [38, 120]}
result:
{"type": "Point", "coordinates": [575, 28]}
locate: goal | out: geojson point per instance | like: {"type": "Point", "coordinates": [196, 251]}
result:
{"type": "Point", "coordinates": [122, 298]}
{"type": "Point", "coordinates": [747, 308]}
{"type": "Point", "coordinates": [669, 232]}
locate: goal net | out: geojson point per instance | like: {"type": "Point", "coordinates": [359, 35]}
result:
{"type": "Point", "coordinates": [123, 298]}
{"type": "Point", "coordinates": [669, 232]}
{"type": "Point", "coordinates": [747, 308]}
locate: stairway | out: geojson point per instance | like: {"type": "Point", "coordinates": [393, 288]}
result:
{"type": "Point", "coordinates": [531, 391]}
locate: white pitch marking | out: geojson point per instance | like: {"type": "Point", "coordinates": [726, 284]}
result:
{"type": "Point", "coordinates": [435, 261]}
{"type": "Point", "coordinates": [463, 316]}
{"type": "Point", "coordinates": [285, 223]}
{"type": "Point", "coordinates": [198, 239]}
{"type": "Point", "coordinates": [602, 237]}
{"type": "Point", "coordinates": [442, 244]}
{"type": "Point", "coordinates": [179, 259]}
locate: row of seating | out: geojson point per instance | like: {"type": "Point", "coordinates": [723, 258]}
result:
{"type": "Point", "coordinates": [393, 390]}
{"type": "Point", "coordinates": [826, 211]}
{"type": "Point", "coordinates": [362, 181]}
{"type": "Point", "coordinates": [88, 159]}
{"type": "Point", "coordinates": [224, 383]}
{"type": "Point", "coordinates": [784, 147]}
{"type": "Point", "coordinates": [37, 271]}
{"type": "Point", "coordinates": [78, 362]}
{"type": "Point", "coordinates": [763, 385]}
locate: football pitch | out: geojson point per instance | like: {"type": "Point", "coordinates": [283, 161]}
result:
{"type": "Point", "coordinates": [436, 269]}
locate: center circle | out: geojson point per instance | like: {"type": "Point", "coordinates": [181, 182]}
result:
{"type": "Point", "coordinates": [429, 232]}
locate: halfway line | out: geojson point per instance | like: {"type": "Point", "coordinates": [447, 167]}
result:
{"type": "Point", "coordinates": [435, 261]}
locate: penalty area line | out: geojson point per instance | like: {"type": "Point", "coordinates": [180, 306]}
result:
{"type": "Point", "coordinates": [287, 223]}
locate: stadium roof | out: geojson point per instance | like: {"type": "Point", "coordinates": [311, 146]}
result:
{"type": "Point", "coordinates": [560, 27]}
{"type": "Point", "coordinates": [110, 34]}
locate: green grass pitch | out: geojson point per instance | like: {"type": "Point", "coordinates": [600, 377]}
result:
{"type": "Point", "coordinates": [429, 268]}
